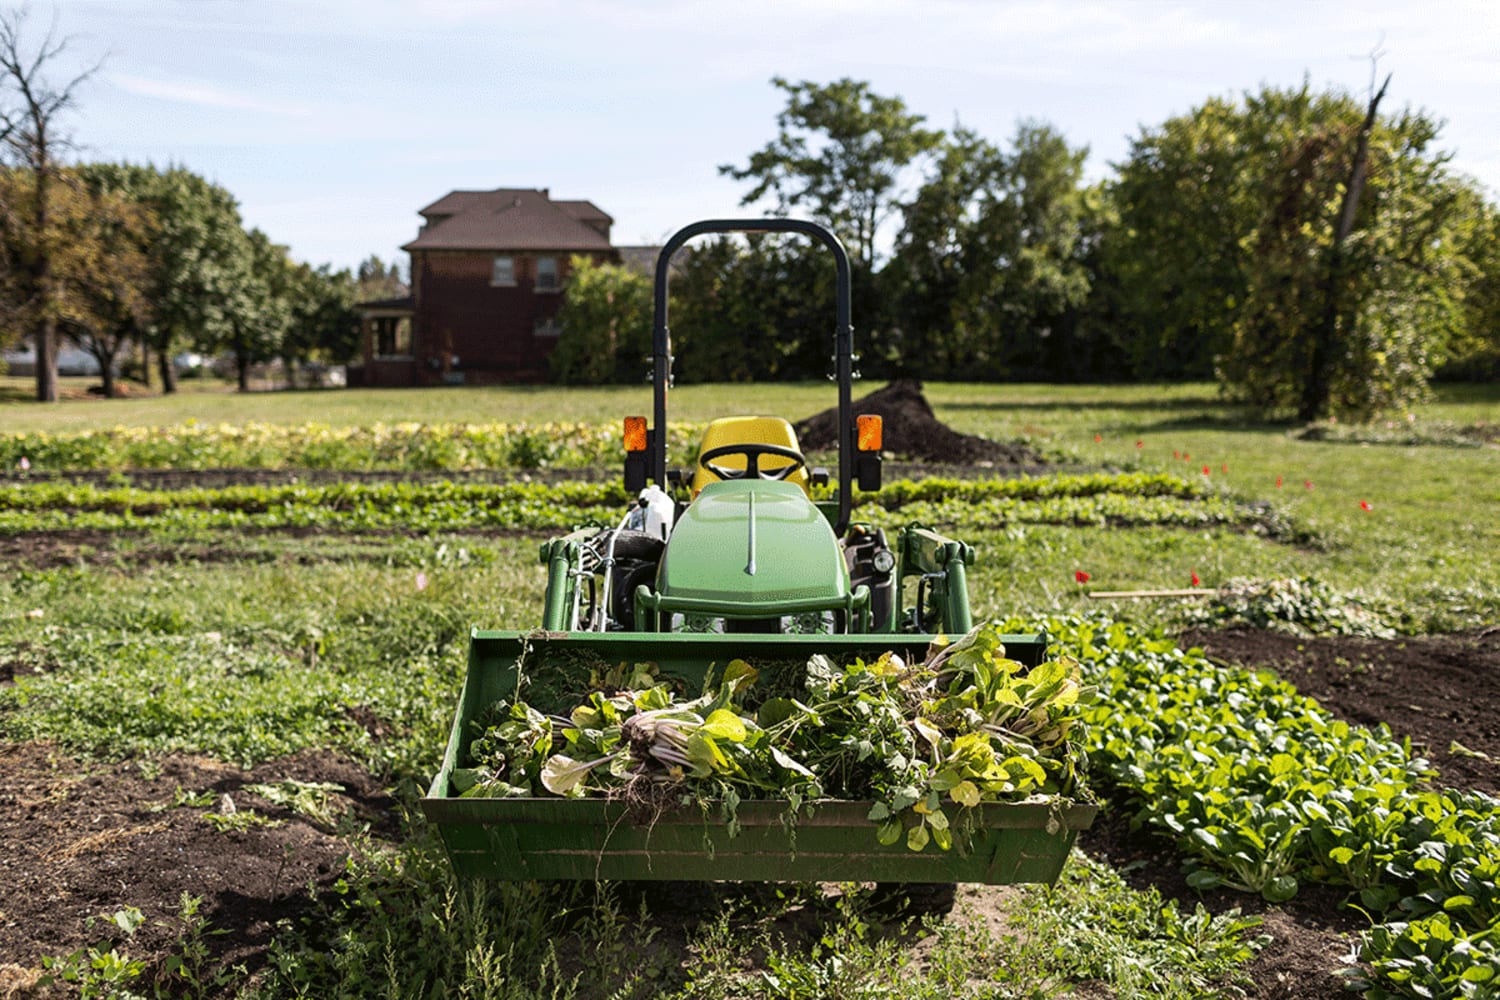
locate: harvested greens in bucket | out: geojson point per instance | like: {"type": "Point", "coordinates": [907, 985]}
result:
{"type": "Point", "coordinates": [924, 743]}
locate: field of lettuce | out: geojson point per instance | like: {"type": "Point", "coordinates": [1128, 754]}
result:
{"type": "Point", "coordinates": [230, 652]}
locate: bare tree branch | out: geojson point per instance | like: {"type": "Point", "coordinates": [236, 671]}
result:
{"type": "Point", "coordinates": [30, 106]}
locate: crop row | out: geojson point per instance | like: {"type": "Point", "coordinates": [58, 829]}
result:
{"type": "Point", "coordinates": [1129, 499]}
{"type": "Point", "coordinates": [1263, 790]}
{"type": "Point", "coordinates": [403, 446]}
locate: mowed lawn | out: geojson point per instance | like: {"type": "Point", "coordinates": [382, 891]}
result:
{"type": "Point", "coordinates": [1416, 524]}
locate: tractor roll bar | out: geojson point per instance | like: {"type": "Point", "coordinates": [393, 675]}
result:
{"type": "Point", "coordinates": [843, 343]}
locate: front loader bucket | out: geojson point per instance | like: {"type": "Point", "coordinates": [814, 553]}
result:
{"type": "Point", "coordinates": [564, 838]}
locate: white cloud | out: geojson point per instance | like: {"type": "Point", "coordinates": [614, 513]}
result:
{"type": "Point", "coordinates": [205, 96]}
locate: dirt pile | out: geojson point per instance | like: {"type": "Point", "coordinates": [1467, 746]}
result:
{"type": "Point", "coordinates": [912, 430]}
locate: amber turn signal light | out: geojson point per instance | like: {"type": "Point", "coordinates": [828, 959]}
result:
{"type": "Point", "coordinates": [868, 429]}
{"type": "Point", "coordinates": [635, 433]}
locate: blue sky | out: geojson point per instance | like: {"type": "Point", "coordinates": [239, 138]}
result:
{"type": "Point", "coordinates": [333, 121]}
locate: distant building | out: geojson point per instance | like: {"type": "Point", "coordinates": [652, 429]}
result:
{"type": "Point", "coordinates": [487, 271]}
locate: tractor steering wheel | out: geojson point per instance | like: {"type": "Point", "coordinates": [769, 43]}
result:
{"type": "Point", "coordinates": [752, 453]}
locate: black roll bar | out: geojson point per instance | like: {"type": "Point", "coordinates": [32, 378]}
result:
{"type": "Point", "coordinates": [843, 343]}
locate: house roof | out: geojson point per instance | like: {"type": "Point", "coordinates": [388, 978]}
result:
{"type": "Point", "coordinates": [511, 219]}
{"type": "Point", "coordinates": [405, 303]}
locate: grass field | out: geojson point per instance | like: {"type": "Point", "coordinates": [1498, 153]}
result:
{"type": "Point", "coordinates": [247, 646]}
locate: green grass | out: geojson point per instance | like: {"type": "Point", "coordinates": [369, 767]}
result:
{"type": "Point", "coordinates": [404, 930]}
{"type": "Point", "coordinates": [250, 661]}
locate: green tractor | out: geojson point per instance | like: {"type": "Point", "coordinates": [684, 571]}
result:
{"type": "Point", "coordinates": [740, 557]}
{"type": "Point", "coordinates": [738, 544]}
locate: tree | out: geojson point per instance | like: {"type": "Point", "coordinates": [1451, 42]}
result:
{"type": "Point", "coordinates": [322, 325]}
{"type": "Point", "coordinates": [257, 307]}
{"type": "Point", "coordinates": [1297, 245]}
{"type": "Point", "coordinates": [841, 152]}
{"type": "Point", "coordinates": [104, 271]}
{"type": "Point", "coordinates": [376, 280]}
{"type": "Point", "coordinates": [988, 265]}
{"type": "Point", "coordinates": [30, 139]}
{"type": "Point", "coordinates": [606, 325]}
{"type": "Point", "coordinates": [754, 309]}
{"type": "Point", "coordinates": [1172, 267]}
{"type": "Point", "coordinates": [1474, 351]}
{"type": "Point", "coordinates": [1353, 276]}
{"type": "Point", "coordinates": [198, 257]}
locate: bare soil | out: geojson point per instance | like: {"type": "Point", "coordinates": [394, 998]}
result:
{"type": "Point", "coordinates": [85, 839]}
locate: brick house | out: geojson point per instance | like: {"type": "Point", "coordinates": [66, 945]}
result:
{"type": "Point", "coordinates": [487, 270]}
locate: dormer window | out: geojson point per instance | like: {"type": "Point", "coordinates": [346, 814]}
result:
{"type": "Point", "coordinates": [503, 272]}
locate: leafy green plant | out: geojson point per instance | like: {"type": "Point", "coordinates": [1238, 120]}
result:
{"type": "Point", "coordinates": [1123, 499]}
{"type": "Point", "coordinates": [100, 970]}
{"type": "Point", "coordinates": [1264, 790]}
{"type": "Point", "coordinates": [1302, 606]}
{"type": "Point", "coordinates": [307, 798]}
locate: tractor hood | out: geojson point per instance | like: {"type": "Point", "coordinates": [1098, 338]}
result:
{"type": "Point", "coordinates": [757, 542]}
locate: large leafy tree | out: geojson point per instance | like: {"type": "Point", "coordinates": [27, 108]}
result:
{"type": "Point", "coordinates": [199, 254]}
{"type": "Point", "coordinates": [1172, 267]}
{"type": "Point", "coordinates": [257, 310]}
{"type": "Point", "coordinates": [98, 269]}
{"type": "Point", "coordinates": [32, 107]}
{"type": "Point", "coordinates": [842, 155]}
{"type": "Point", "coordinates": [323, 325]}
{"type": "Point", "coordinates": [988, 267]}
{"type": "Point", "coordinates": [104, 272]}
{"type": "Point", "coordinates": [606, 325]}
{"type": "Point", "coordinates": [1474, 351]}
{"type": "Point", "coordinates": [754, 309]}
{"type": "Point", "coordinates": [840, 150]}
{"type": "Point", "coordinates": [1296, 244]}
{"type": "Point", "coordinates": [1353, 278]}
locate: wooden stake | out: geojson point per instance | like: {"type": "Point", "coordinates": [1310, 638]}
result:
{"type": "Point", "coordinates": [1134, 594]}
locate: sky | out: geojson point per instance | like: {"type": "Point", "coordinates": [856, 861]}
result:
{"type": "Point", "coordinates": [334, 121]}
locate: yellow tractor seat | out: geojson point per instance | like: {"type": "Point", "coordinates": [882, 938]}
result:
{"type": "Point", "coordinates": [747, 430]}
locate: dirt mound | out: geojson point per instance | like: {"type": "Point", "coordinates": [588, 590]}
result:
{"type": "Point", "coordinates": [912, 430]}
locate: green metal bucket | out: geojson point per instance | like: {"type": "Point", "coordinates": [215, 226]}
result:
{"type": "Point", "coordinates": [832, 841]}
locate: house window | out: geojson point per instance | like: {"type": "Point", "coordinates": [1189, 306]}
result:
{"type": "Point", "coordinates": [547, 326]}
{"type": "Point", "coordinates": [546, 274]}
{"type": "Point", "coordinates": [504, 271]}
{"type": "Point", "coordinates": [393, 336]}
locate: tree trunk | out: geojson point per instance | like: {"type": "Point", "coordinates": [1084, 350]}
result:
{"type": "Point", "coordinates": [168, 371]}
{"type": "Point", "coordinates": [46, 361]}
{"type": "Point", "coordinates": [1318, 389]}
{"type": "Point", "coordinates": [242, 368]}
{"type": "Point", "coordinates": [46, 327]}
{"type": "Point", "coordinates": [107, 376]}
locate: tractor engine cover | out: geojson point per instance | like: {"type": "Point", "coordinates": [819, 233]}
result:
{"type": "Point", "coordinates": [754, 543]}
